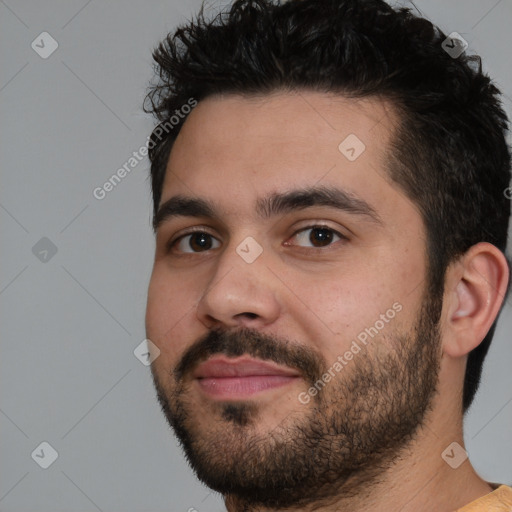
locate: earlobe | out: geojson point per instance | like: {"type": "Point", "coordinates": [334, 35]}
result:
{"type": "Point", "coordinates": [479, 283]}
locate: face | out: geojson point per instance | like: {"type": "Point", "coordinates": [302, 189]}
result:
{"type": "Point", "coordinates": [298, 350]}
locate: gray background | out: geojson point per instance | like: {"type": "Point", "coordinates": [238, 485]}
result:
{"type": "Point", "coordinates": [70, 323]}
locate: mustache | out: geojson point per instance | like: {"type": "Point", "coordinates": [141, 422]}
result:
{"type": "Point", "coordinates": [255, 344]}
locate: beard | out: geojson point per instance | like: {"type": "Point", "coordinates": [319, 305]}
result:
{"type": "Point", "coordinates": [345, 437]}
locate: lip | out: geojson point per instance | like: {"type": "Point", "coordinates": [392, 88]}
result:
{"type": "Point", "coordinates": [237, 378]}
{"type": "Point", "coordinates": [243, 366]}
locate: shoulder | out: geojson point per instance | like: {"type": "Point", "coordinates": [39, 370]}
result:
{"type": "Point", "coordinates": [499, 500]}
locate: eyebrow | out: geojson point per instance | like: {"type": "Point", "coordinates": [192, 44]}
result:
{"type": "Point", "coordinates": [273, 205]}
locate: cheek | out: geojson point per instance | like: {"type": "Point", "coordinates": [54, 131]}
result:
{"type": "Point", "coordinates": [337, 309]}
{"type": "Point", "coordinates": [326, 309]}
{"type": "Point", "coordinates": [169, 313]}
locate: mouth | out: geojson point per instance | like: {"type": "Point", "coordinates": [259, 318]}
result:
{"type": "Point", "coordinates": [238, 378]}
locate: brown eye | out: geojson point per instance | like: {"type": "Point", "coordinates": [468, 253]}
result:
{"type": "Point", "coordinates": [196, 242]}
{"type": "Point", "coordinates": [320, 237]}
{"type": "Point", "coordinates": [317, 237]}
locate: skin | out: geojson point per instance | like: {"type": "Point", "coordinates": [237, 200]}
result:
{"type": "Point", "coordinates": [233, 150]}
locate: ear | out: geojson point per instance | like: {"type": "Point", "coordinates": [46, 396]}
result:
{"type": "Point", "coordinates": [475, 289]}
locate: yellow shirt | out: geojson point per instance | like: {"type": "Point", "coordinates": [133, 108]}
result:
{"type": "Point", "coordinates": [499, 500]}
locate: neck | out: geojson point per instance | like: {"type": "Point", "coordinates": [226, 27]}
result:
{"type": "Point", "coordinates": [418, 481]}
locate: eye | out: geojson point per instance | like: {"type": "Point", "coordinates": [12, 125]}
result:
{"type": "Point", "coordinates": [199, 241]}
{"type": "Point", "coordinates": [317, 236]}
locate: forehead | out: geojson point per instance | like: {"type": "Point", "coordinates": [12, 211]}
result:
{"type": "Point", "coordinates": [238, 148]}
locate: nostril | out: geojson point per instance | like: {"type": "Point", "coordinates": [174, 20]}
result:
{"type": "Point", "coordinates": [251, 316]}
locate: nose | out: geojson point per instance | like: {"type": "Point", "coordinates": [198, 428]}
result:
{"type": "Point", "coordinates": [239, 294]}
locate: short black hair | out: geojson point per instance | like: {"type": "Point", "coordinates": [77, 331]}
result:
{"type": "Point", "coordinates": [449, 155]}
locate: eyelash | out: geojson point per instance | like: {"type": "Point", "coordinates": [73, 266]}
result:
{"type": "Point", "coordinates": [172, 243]}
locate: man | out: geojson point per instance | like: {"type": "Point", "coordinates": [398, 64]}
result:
{"type": "Point", "coordinates": [331, 217]}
